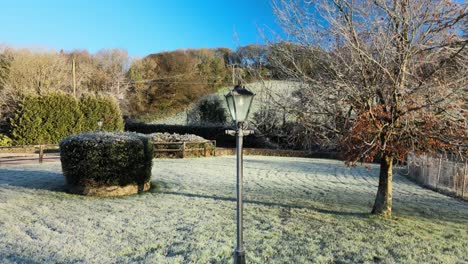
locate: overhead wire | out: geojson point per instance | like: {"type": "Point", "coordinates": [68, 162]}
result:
{"type": "Point", "coordinates": [162, 80]}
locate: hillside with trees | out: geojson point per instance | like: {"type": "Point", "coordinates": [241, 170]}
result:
{"type": "Point", "coordinates": [164, 83]}
{"type": "Point", "coordinates": [152, 87]}
{"type": "Point", "coordinates": [27, 72]}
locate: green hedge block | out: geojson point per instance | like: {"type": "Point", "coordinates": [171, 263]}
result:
{"type": "Point", "coordinates": [45, 119]}
{"type": "Point", "coordinates": [50, 118]}
{"type": "Point", "coordinates": [95, 108]}
{"type": "Point", "coordinates": [99, 159]}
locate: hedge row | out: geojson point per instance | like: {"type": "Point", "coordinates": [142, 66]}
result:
{"type": "Point", "coordinates": [208, 132]}
{"type": "Point", "coordinates": [103, 108]}
{"type": "Point", "coordinates": [50, 118]}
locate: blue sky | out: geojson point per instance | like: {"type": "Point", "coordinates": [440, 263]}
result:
{"type": "Point", "coordinates": [139, 26]}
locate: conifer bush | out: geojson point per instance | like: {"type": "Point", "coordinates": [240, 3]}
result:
{"type": "Point", "coordinates": [5, 141]}
{"type": "Point", "coordinates": [95, 108]}
{"type": "Point", "coordinates": [97, 163]}
{"type": "Point", "coordinates": [208, 111]}
{"type": "Point", "coordinates": [49, 118]}
{"type": "Point", "coordinates": [45, 119]}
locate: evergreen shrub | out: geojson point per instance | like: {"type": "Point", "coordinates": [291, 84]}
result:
{"type": "Point", "coordinates": [5, 141]}
{"type": "Point", "coordinates": [102, 159]}
{"type": "Point", "coordinates": [45, 119]}
{"type": "Point", "coordinates": [95, 108]}
{"type": "Point", "coordinates": [208, 111]}
{"type": "Point", "coordinates": [49, 118]}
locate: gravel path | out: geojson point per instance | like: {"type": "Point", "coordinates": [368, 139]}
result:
{"type": "Point", "coordinates": [297, 211]}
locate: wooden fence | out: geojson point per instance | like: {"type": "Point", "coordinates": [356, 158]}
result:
{"type": "Point", "coordinates": [440, 173]}
{"type": "Point", "coordinates": [161, 149]}
{"type": "Point", "coordinates": [185, 149]}
{"type": "Point", "coordinates": [39, 149]}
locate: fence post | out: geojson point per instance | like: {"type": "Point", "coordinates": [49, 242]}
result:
{"type": "Point", "coordinates": [422, 171]}
{"type": "Point", "coordinates": [455, 170]}
{"type": "Point", "coordinates": [408, 164]}
{"type": "Point", "coordinates": [214, 148]}
{"type": "Point", "coordinates": [41, 153]}
{"type": "Point", "coordinates": [183, 150]}
{"type": "Point", "coordinates": [438, 172]}
{"type": "Point", "coordinates": [463, 183]}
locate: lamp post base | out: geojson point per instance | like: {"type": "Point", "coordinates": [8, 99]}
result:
{"type": "Point", "coordinates": [239, 257]}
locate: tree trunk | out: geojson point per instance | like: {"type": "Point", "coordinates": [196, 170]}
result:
{"type": "Point", "coordinates": [383, 201]}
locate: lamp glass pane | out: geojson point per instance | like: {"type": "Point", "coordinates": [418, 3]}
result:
{"type": "Point", "coordinates": [242, 104]}
{"type": "Point", "coordinates": [230, 103]}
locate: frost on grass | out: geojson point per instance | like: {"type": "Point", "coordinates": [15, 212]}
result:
{"type": "Point", "coordinates": [296, 211]}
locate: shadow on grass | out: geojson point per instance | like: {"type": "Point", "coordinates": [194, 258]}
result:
{"type": "Point", "coordinates": [31, 179]}
{"type": "Point", "coordinates": [158, 189]}
{"type": "Point", "coordinates": [294, 165]}
{"type": "Point", "coordinates": [426, 207]}
{"type": "Point", "coordinates": [16, 258]}
{"type": "Point", "coordinates": [21, 160]}
{"type": "Point", "coordinates": [418, 205]}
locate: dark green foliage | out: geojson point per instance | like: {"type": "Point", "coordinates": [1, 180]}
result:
{"type": "Point", "coordinates": [95, 108]}
{"type": "Point", "coordinates": [209, 110]}
{"type": "Point", "coordinates": [5, 141]}
{"type": "Point", "coordinates": [98, 159]}
{"type": "Point", "coordinates": [208, 132]}
{"type": "Point", "coordinates": [45, 119]}
{"type": "Point", "coordinates": [50, 118]}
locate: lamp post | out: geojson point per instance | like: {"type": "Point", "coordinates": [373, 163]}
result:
{"type": "Point", "coordinates": [239, 101]}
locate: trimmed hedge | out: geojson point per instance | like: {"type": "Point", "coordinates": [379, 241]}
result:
{"type": "Point", "coordinates": [99, 159]}
{"type": "Point", "coordinates": [50, 118]}
{"type": "Point", "coordinates": [45, 119]}
{"type": "Point", "coordinates": [95, 108]}
{"type": "Point", "coordinates": [208, 132]}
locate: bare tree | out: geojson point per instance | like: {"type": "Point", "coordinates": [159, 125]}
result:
{"type": "Point", "coordinates": [114, 64]}
{"type": "Point", "coordinates": [27, 72]}
{"type": "Point", "coordinates": [34, 72]}
{"type": "Point", "coordinates": [38, 72]}
{"type": "Point", "coordinates": [389, 77]}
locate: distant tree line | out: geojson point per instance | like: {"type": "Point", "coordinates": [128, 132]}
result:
{"type": "Point", "coordinates": [157, 85]}
{"type": "Point", "coordinates": [165, 83]}
{"type": "Point", "coordinates": [27, 73]}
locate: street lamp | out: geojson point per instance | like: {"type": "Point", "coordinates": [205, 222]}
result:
{"type": "Point", "coordinates": [239, 101]}
{"type": "Point", "coordinates": [99, 124]}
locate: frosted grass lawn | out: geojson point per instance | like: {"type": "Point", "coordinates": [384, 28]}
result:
{"type": "Point", "coordinates": [297, 211]}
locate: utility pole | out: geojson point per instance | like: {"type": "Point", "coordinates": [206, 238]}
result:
{"type": "Point", "coordinates": [74, 78]}
{"type": "Point", "coordinates": [233, 78]}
